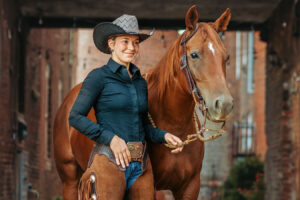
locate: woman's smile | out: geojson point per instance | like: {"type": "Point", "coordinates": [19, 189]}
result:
{"type": "Point", "coordinates": [129, 53]}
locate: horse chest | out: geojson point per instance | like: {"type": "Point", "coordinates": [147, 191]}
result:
{"type": "Point", "coordinates": [176, 168]}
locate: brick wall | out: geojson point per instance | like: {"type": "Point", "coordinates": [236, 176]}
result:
{"type": "Point", "coordinates": [30, 161]}
{"type": "Point", "coordinates": [282, 108]}
{"type": "Point", "coordinates": [8, 69]}
{"type": "Point", "coordinates": [260, 96]}
{"type": "Point", "coordinates": [49, 60]}
{"type": "Point", "coordinates": [88, 56]}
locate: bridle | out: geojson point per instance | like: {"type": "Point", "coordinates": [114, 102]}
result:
{"type": "Point", "coordinates": [185, 65]}
{"type": "Point", "coordinates": [201, 110]}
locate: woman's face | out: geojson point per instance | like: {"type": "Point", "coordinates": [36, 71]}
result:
{"type": "Point", "coordinates": [124, 48]}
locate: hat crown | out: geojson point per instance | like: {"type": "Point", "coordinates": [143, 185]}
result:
{"type": "Point", "coordinates": [128, 23]}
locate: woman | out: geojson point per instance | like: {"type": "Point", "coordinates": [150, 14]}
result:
{"type": "Point", "coordinates": [118, 93]}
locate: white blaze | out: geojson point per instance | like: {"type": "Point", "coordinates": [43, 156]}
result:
{"type": "Point", "coordinates": [210, 46]}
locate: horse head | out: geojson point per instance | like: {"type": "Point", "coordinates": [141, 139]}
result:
{"type": "Point", "coordinates": [206, 58]}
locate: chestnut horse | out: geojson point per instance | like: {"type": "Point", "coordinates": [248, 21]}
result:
{"type": "Point", "coordinates": [171, 106]}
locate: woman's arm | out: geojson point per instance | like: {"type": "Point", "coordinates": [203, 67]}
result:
{"type": "Point", "coordinates": [155, 135]}
{"type": "Point", "coordinates": [91, 88]}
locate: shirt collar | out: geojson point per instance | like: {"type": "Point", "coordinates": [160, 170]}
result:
{"type": "Point", "coordinates": [114, 66]}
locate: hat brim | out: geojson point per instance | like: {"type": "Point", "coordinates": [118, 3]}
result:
{"type": "Point", "coordinates": [103, 31]}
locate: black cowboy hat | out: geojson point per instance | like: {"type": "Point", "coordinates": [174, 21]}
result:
{"type": "Point", "coordinates": [126, 24]}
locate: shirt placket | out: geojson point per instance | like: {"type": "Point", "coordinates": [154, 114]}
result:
{"type": "Point", "coordinates": [134, 133]}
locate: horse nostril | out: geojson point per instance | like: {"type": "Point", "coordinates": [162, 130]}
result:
{"type": "Point", "coordinates": [218, 105]}
{"type": "Point", "coordinates": [223, 106]}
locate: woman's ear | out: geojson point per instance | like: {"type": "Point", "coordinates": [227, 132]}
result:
{"type": "Point", "coordinates": [111, 44]}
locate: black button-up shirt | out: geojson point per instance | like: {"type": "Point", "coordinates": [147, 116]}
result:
{"type": "Point", "coordinates": [120, 103]}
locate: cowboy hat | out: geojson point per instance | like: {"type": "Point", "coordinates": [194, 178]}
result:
{"type": "Point", "coordinates": [125, 24]}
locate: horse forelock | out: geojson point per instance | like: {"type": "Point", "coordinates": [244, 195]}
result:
{"type": "Point", "coordinates": [209, 34]}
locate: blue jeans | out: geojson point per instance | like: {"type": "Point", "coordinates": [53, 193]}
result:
{"type": "Point", "coordinates": [132, 172]}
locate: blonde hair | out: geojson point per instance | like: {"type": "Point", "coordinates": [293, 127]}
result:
{"type": "Point", "coordinates": [113, 38]}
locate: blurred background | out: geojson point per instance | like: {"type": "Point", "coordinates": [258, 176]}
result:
{"type": "Point", "coordinates": [46, 48]}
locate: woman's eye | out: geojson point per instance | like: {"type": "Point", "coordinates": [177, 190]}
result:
{"type": "Point", "coordinates": [194, 55]}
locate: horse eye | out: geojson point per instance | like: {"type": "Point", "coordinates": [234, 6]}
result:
{"type": "Point", "coordinates": [227, 58]}
{"type": "Point", "coordinates": [194, 55]}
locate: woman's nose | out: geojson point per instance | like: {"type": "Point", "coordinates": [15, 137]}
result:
{"type": "Point", "coordinates": [131, 45]}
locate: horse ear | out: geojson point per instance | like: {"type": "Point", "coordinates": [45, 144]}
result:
{"type": "Point", "coordinates": [222, 22]}
{"type": "Point", "coordinates": [191, 18]}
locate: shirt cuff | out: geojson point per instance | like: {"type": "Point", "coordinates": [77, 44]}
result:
{"type": "Point", "coordinates": [105, 137]}
{"type": "Point", "coordinates": [162, 136]}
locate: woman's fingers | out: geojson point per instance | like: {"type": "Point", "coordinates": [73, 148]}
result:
{"type": "Point", "coordinates": [170, 139]}
{"type": "Point", "coordinates": [174, 140]}
{"type": "Point", "coordinates": [181, 148]}
{"type": "Point", "coordinates": [122, 160]}
{"type": "Point", "coordinates": [125, 153]}
{"type": "Point", "coordinates": [177, 150]}
{"type": "Point", "coordinates": [120, 151]}
{"type": "Point", "coordinates": [117, 159]}
{"type": "Point", "coordinates": [177, 139]}
{"type": "Point", "coordinates": [125, 158]}
{"type": "Point", "coordinates": [128, 154]}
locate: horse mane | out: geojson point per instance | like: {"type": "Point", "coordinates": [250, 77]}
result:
{"type": "Point", "coordinates": [163, 74]}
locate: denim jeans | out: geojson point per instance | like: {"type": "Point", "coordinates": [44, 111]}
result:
{"type": "Point", "coordinates": [132, 172]}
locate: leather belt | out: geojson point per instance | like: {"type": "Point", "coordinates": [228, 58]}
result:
{"type": "Point", "coordinates": [136, 159]}
{"type": "Point", "coordinates": [106, 150]}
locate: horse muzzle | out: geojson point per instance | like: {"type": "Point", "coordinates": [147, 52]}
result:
{"type": "Point", "coordinates": [220, 109]}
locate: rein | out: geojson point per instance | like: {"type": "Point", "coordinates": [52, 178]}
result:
{"type": "Point", "coordinates": [200, 110]}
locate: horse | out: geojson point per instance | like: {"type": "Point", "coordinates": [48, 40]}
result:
{"type": "Point", "coordinates": [171, 106]}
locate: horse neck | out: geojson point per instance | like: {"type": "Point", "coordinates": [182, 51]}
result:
{"type": "Point", "coordinates": [171, 104]}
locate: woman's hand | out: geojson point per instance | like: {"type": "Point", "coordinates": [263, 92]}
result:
{"type": "Point", "coordinates": [174, 140]}
{"type": "Point", "coordinates": [120, 150]}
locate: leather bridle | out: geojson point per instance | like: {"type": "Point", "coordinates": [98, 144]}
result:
{"type": "Point", "coordinates": [201, 110]}
{"type": "Point", "coordinates": [185, 66]}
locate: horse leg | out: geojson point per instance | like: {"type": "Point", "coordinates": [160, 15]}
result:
{"type": "Point", "coordinates": [143, 187]}
{"type": "Point", "coordinates": [70, 190]}
{"type": "Point", "coordinates": [70, 174]}
{"type": "Point", "coordinates": [190, 191]}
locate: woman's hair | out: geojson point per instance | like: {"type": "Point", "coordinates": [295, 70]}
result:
{"type": "Point", "coordinates": [113, 37]}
